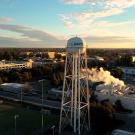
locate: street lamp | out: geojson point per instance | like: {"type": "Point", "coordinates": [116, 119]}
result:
{"type": "Point", "coordinates": [53, 127]}
{"type": "Point", "coordinates": [21, 95]}
{"type": "Point", "coordinates": [15, 123]}
{"type": "Point", "coordinates": [42, 122]}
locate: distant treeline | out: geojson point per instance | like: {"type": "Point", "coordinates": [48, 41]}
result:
{"type": "Point", "coordinates": [107, 53]}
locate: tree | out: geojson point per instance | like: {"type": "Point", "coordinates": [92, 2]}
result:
{"type": "Point", "coordinates": [45, 55]}
{"type": "Point", "coordinates": [27, 88]}
{"type": "Point", "coordinates": [1, 81]}
{"type": "Point", "coordinates": [117, 72]}
{"type": "Point", "coordinates": [119, 106]}
{"type": "Point", "coordinates": [55, 81]}
{"type": "Point", "coordinates": [101, 115]}
{"type": "Point", "coordinates": [38, 55]}
{"type": "Point", "coordinates": [125, 60]}
{"type": "Point", "coordinates": [58, 56]}
{"type": "Point", "coordinates": [7, 55]}
{"type": "Point", "coordinates": [63, 57]}
{"type": "Point", "coordinates": [57, 78]}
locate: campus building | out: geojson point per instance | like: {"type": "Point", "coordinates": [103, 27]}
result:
{"type": "Point", "coordinates": [15, 65]}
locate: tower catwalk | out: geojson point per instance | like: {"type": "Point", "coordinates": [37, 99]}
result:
{"type": "Point", "coordinates": [75, 95]}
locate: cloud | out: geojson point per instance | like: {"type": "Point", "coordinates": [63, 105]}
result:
{"type": "Point", "coordinates": [29, 36]}
{"type": "Point", "coordinates": [15, 42]}
{"type": "Point", "coordinates": [74, 1]}
{"type": "Point", "coordinates": [108, 39]}
{"type": "Point", "coordinates": [86, 19]}
{"type": "Point", "coordinates": [26, 31]}
{"type": "Point", "coordinates": [94, 20]}
{"type": "Point", "coordinates": [27, 43]}
{"type": "Point", "coordinates": [89, 23]}
{"type": "Point", "coordinates": [105, 3]}
{"type": "Point", "coordinates": [93, 41]}
{"type": "Point", "coordinates": [113, 24]}
{"type": "Point", "coordinates": [120, 3]}
{"type": "Point", "coordinates": [6, 19]}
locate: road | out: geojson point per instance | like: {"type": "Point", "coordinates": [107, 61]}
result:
{"type": "Point", "coordinates": [30, 100]}
{"type": "Point", "coordinates": [129, 119]}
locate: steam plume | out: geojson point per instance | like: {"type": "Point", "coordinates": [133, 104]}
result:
{"type": "Point", "coordinates": [98, 75]}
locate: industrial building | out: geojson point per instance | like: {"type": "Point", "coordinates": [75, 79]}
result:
{"type": "Point", "coordinates": [125, 95]}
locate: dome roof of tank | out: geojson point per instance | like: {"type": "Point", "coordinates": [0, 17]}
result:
{"type": "Point", "coordinates": [76, 45]}
{"type": "Point", "coordinates": [76, 42]}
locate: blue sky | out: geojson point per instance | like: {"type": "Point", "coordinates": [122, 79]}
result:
{"type": "Point", "coordinates": [49, 23]}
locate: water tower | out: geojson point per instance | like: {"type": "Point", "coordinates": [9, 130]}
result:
{"type": "Point", "coordinates": [75, 95]}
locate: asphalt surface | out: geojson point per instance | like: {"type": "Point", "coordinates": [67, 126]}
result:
{"type": "Point", "coordinates": [129, 119]}
{"type": "Point", "coordinates": [30, 100]}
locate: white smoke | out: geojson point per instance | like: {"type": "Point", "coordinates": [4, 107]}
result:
{"type": "Point", "coordinates": [101, 75]}
{"type": "Point", "coordinates": [111, 84]}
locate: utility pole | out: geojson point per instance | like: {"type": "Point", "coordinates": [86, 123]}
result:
{"type": "Point", "coordinates": [53, 127]}
{"type": "Point", "coordinates": [21, 95]}
{"type": "Point", "coordinates": [15, 122]}
{"type": "Point", "coordinates": [42, 100]}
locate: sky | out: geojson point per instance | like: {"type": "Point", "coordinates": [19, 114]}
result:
{"type": "Point", "coordinates": [50, 23]}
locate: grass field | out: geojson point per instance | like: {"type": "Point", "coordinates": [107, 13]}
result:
{"type": "Point", "coordinates": [28, 122]}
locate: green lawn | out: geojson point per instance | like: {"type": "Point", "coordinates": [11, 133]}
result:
{"type": "Point", "coordinates": [28, 122]}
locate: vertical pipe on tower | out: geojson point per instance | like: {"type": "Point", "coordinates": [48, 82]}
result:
{"type": "Point", "coordinates": [72, 93]}
{"type": "Point", "coordinates": [63, 92]}
{"type": "Point", "coordinates": [75, 95]}
{"type": "Point", "coordinates": [88, 92]}
{"type": "Point", "coordinates": [79, 93]}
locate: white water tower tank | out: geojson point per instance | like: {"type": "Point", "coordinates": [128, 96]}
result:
{"type": "Point", "coordinates": [75, 44]}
